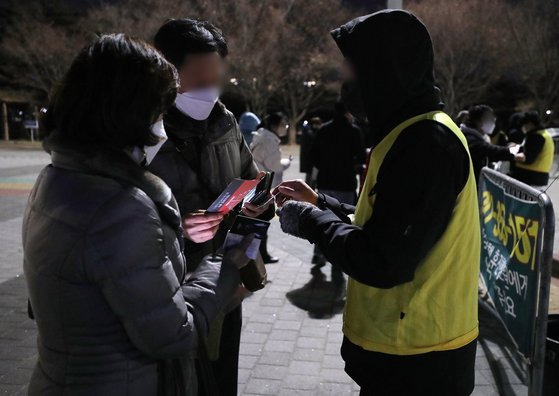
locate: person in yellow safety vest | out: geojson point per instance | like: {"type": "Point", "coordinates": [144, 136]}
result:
{"type": "Point", "coordinates": [538, 149]}
{"type": "Point", "coordinates": [411, 246]}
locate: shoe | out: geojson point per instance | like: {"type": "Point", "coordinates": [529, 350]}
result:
{"type": "Point", "coordinates": [270, 259]}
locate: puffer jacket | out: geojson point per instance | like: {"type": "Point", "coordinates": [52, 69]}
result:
{"type": "Point", "coordinates": [106, 279]}
{"type": "Point", "coordinates": [266, 150]}
{"type": "Point", "coordinates": [198, 161]}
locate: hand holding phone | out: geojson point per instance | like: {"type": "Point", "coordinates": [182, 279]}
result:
{"type": "Point", "coordinates": [262, 193]}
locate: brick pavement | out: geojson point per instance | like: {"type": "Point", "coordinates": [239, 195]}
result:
{"type": "Point", "coordinates": [291, 331]}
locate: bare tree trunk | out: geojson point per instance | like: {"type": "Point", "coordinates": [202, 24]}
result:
{"type": "Point", "coordinates": [5, 125]}
{"type": "Point", "coordinates": [292, 136]}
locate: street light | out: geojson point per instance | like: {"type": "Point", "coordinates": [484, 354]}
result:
{"type": "Point", "coordinates": [548, 112]}
{"type": "Point", "coordinates": [234, 81]}
{"type": "Point", "coordinates": [310, 83]}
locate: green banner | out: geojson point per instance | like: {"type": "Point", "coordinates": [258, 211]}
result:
{"type": "Point", "coordinates": [510, 259]}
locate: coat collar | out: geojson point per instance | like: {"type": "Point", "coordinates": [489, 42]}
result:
{"type": "Point", "coordinates": [115, 165]}
{"type": "Point", "coordinates": [267, 134]}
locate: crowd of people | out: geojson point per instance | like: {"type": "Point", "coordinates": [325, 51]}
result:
{"type": "Point", "coordinates": [527, 146]}
{"type": "Point", "coordinates": [129, 283]}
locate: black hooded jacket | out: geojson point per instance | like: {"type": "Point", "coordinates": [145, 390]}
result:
{"type": "Point", "coordinates": [421, 176]}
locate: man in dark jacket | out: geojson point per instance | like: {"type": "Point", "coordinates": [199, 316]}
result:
{"type": "Point", "coordinates": [412, 250]}
{"type": "Point", "coordinates": [305, 154]}
{"type": "Point", "coordinates": [205, 151]}
{"type": "Point", "coordinates": [478, 128]}
{"type": "Point", "coordinates": [338, 154]}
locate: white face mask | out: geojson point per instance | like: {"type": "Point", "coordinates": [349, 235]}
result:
{"type": "Point", "coordinates": [488, 127]}
{"type": "Point", "coordinates": [199, 103]}
{"type": "Point", "coordinates": [145, 156]}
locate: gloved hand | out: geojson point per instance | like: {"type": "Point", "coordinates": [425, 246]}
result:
{"type": "Point", "coordinates": [291, 214]}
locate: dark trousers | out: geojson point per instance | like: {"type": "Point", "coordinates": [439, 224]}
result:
{"type": "Point", "coordinates": [226, 368]}
{"type": "Point", "coordinates": [445, 373]}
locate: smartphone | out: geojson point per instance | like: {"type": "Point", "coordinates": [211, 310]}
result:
{"type": "Point", "coordinates": [262, 191]}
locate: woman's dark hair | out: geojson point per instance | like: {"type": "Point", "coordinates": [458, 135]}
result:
{"type": "Point", "coordinates": [178, 38]}
{"type": "Point", "coordinates": [115, 89]}
{"type": "Point", "coordinates": [272, 121]}
{"type": "Point", "coordinates": [476, 113]}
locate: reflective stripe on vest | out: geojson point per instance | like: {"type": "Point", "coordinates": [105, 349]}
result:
{"type": "Point", "coordinates": [438, 309]}
{"type": "Point", "coordinates": [544, 160]}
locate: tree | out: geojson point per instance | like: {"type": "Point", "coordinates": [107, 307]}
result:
{"type": "Point", "coordinates": [37, 50]}
{"type": "Point", "coordinates": [535, 45]}
{"type": "Point", "coordinates": [310, 60]}
{"type": "Point", "coordinates": [469, 39]}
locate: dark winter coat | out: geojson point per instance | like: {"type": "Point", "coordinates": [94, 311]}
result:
{"type": "Point", "coordinates": [338, 153]}
{"type": "Point", "coordinates": [198, 162]}
{"type": "Point", "coordinates": [106, 278]}
{"type": "Point", "coordinates": [305, 152]}
{"type": "Point", "coordinates": [484, 152]}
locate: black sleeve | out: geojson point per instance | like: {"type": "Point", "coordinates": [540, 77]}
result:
{"type": "Point", "coordinates": [490, 151]}
{"type": "Point", "coordinates": [341, 210]}
{"type": "Point", "coordinates": [533, 146]}
{"type": "Point", "coordinates": [416, 192]}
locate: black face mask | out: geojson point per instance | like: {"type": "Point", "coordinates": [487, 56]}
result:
{"type": "Point", "coordinates": [352, 99]}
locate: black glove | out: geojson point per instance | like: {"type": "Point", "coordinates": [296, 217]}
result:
{"type": "Point", "coordinates": [291, 214]}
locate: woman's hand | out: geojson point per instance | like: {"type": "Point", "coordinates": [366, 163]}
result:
{"type": "Point", "coordinates": [296, 190]}
{"type": "Point", "coordinates": [252, 210]}
{"type": "Point", "coordinates": [200, 227]}
{"type": "Point", "coordinates": [237, 255]}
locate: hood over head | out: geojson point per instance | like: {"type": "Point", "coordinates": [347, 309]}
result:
{"type": "Point", "coordinates": [392, 55]}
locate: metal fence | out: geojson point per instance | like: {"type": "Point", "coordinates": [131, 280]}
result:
{"type": "Point", "coordinates": [536, 355]}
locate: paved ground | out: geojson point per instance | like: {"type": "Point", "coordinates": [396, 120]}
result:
{"type": "Point", "coordinates": [291, 331]}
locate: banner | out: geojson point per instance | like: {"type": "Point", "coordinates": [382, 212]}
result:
{"type": "Point", "coordinates": [510, 259]}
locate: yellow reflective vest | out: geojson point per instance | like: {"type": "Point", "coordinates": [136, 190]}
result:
{"type": "Point", "coordinates": [544, 160]}
{"type": "Point", "coordinates": [438, 309]}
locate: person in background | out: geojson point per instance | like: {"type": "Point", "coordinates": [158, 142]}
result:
{"type": "Point", "coordinates": [266, 150]}
{"type": "Point", "coordinates": [338, 153]}
{"type": "Point", "coordinates": [514, 132]}
{"type": "Point", "coordinates": [538, 148]}
{"type": "Point", "coordinates": [305, 154]}
{"type": "Point", "coordinates": [500, 138]}
{"type": "Point", "coordinates": [102, 237]}
{"type": "Point", "coordinates": [205, 151]}
{"type": "Point", "coordinates": [462, 118]}
{"type": "Point", "coordinates": [480, 125]}
{"type": "Point", "coordinates": [248, 123]}
{"type": "Point", "coordinates": [412, 247]}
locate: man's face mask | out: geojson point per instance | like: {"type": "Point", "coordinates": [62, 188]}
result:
{"type": "Point", "coordinates": [145, 156]}
{"type": "Point", "coordinates": [197, 104]}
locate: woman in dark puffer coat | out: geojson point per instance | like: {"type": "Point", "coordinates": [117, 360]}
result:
{"type": "Point", "coordinates": [101, 236]}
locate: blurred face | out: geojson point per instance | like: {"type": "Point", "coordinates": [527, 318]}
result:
{"type": "Point", "coordinates": [348, 72]}
{"type": "Point", "coordinates": [200, 71]}
{"type": "Point", "coordinates": [488, 117]}
{"type": "Point", "coordinates": [528, 127]}
{"type": "Point", "coordinates": [487, 122]}
{"type": "Point", "coordinates": [316, 125]}
{"type": "Point", "coordinates": [281, 129]}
